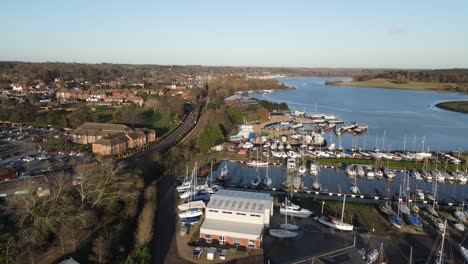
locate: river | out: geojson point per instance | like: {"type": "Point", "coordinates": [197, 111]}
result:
{"type": "Point", "coordinates": [392, 112]}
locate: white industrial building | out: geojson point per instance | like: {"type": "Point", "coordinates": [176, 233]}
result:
{"type": "Point", "coordinates": [237, 218]}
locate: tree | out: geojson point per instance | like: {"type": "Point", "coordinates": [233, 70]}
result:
{"type": "Point", "coordinates": [139, 256]}
{"type": "Point", "coordinates": [6, 243]}
{"type": "Point", "coordinates": [128, 115]}
{"type": "Point", "coordinates": [80, 115]}
{"type": "Point", "coordinates": [210, 136]}
{"type": "Point", "coordinates": [100, 250]}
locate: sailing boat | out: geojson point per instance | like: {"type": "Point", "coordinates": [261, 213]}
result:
{"type": "Point", "coordinates": [257, 163]}
{"type": "Point", "coordinates": [440, 260]}
{"type": "Point", "coordinates": [256, 181]}
{"type": "Point", "coordinates": [282, 233]}
{"type": "Point", "coordinates": [267, 180]}
{"type": "Point", "coordinates": [316, 185]}
{"type": "Point", "coordinates": [395, 218]}
{"type": "Point", "coordinates": [337, 223]}
{"type": "Point", "coordinates": [286, 225]}
{"type": "Point", "coordinates": [432, 210]}
{"type": "Point", "coordinates": [191, 212]}
{"type": "Point", "coordinates": [224, 173]}
{"type": "Point", "coordinates": [354, 188]}
{"type": "Point", "coordinates": [386, 208]}
{"type": "Point", "coordinates": [314, 168]}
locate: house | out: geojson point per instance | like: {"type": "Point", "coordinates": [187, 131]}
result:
{"type": "Point", "coordinates": [150, 134]}
{"type": "Point", "coordinates": [239, 100]}
{"type": "Point", "coordinates": [90, 132]}
{"type": "Point", "coordinates": [237, 218]}
{"type": "Point", "coordinates": [135, 139]}
{"type": "Point", "coordinates": [110, 145]}
{"type": "Point", "coordinates": [135, 99]}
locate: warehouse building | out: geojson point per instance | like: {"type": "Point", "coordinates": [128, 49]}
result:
{"type": "Point", "coordinates": [237, 218]}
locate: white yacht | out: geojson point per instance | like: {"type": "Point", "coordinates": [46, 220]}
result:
{"type": "Point", "coordinates": [337, 223]}
{"type": "Point", "coordinates": [314, 168]}
{"type": "Point", "coordinates": [282, 233]}
{"type": "Point", "coordinates": [257, 163]}
{"type": "Point", "coordinates": [224, 175]}
{"type": "Point", "coordinates": [350, 170]}
{"type": "Point", "coordinates": [294, 210]}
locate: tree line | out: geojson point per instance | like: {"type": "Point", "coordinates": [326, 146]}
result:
{"type": "Point", "coordinates": [442, 76]}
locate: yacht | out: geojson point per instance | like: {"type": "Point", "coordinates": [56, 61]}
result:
{"type": "Point", "coordinates": [354, 189]}
{"type": "Point", "coordinates": [389, 173]}
{"type": "Point", "coordinates": [294, 210]}
{"type": "Point", "coordinates": [302, 169]}
{"type": "Point", "coordinates": [395, 220]}
{"type": "Point", "coordinates": [192, 212]}
{"type": "Point", "coordinates": [257, 163]}
{"type": "Point", "coordinates": [314, 168]}
{"type": "Point", "coordinates": [350, 170]}
{"type": "Point", "coordinates": [282, 233]}
{"type": "Point", "coordinates": [415, 174]}
{"type": "Point", "coordinates": [267, 144]}
{"type": "Point", "coordinates": [224, 173]}
{"type": "Point", "coordinates": [386, 208]}
{"type": "Point", "coordinates": [335, 222]}
{"type": "Point", "coordinates": [370, 172]}
{"type": "Point", "coordinates": [360, 171]}
{"type": "Point", "coordinates": [256, 181]}
{"type": "Point", "coordinates": [291, 164]}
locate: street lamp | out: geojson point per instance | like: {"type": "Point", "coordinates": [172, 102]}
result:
{"type": "Point", "coordinates": [323, 204]}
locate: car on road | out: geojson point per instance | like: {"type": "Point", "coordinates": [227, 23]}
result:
{"type": "Point", "coordinates": [197, 252]}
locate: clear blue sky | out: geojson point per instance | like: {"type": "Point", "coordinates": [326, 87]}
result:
{"type": "Point", "coordinates": [396, 34]}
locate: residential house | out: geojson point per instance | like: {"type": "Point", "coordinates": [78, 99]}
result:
{"type": "Point", "coordinates": [110, 145]}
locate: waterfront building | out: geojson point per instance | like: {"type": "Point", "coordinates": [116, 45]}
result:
{"type": "Point", "coordinates": [237, 218]}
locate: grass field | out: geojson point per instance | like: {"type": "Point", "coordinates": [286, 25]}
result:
{"type": "Point", "coordinates": [386, 83]}
{"type": "Point", "coordinates": [162, 124]}
{"type": "Point", "coordinates": [455, 106]}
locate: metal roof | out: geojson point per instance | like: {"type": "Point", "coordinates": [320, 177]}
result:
{"type": "Point", "coordinates": [252, 202]}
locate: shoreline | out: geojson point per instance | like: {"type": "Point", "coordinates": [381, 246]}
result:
{"type": "Point", "coordinates": [387, 84]}
{"type": "Point", "coordinates": [454, 106]}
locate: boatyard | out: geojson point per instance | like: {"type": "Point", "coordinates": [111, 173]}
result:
{"type": "Point", "coordinates": [354, 199]}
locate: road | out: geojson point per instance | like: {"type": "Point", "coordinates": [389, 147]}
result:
{"type": "Point", "coordinates": [163, 246]}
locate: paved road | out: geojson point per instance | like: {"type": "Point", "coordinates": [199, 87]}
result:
{"type": "Point", "coordinates": [163, 246]}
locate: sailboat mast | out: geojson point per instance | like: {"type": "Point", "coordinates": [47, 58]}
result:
{"type": "Point", "coordinates": [404, 145]}
{"type": "Point", "coordinates": [342, 211]}
{"type": "Point", "coordinates": [442, 244]}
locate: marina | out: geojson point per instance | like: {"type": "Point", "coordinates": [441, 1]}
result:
{"type": "Point", "coordinates": [335, 182]}
{"type": "Point", "coordinates": [400, 116]}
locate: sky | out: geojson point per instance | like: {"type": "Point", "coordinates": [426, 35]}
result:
{"type": "Point", "coordinates": [337, 34]}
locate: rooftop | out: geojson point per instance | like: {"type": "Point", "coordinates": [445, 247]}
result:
{"type": "Point", "coordinates": [252, 202]}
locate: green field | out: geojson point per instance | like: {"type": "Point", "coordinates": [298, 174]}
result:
{"type": "Point", "coordinates": [455, 106]}
{"type": "Point", "coordinates": [162, 124]}
{"type": "Point", "coordinates": [386, 83]}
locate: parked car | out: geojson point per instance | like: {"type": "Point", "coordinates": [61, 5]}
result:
{"type": "Point", "coordinates": [197, 252]}
{"type": "Point", "coordinates": [223, 254]}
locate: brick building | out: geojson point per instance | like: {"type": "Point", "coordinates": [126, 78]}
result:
{"type": "Point", "coordinates": [111, 145]}
{"type": "Point", "coordinates": [89, 133]}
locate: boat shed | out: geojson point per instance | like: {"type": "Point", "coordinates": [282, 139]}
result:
{"type": "Point", "coordinates": [237, 218]}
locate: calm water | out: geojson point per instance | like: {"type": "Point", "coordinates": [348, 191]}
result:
{"type": "Point", "coordinates": [397, 112]}
{"type": "Point", "coordinates": [242, 175]}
